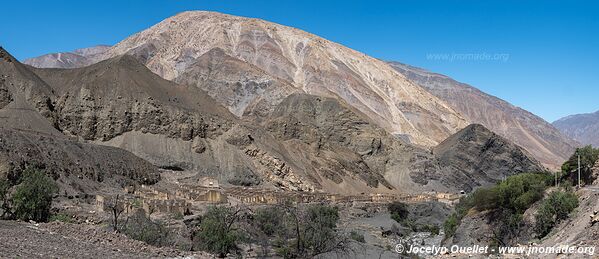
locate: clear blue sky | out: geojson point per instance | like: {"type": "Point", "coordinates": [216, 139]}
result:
{"type": "Point", "coordinates": [552, 69]}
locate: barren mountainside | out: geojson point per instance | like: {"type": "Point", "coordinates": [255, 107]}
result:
{"type": "Point", "coordinates": [311, 64]}
{"type": "Point", "coordinates": [529, 131]}
{"type": "Point", "coordinates": [28, 138]}
{"type": "Point", "coordinates": [295, 146]}
{"type": "Point", "coordinates": [583, 128]}
{"type": "Point", "coordinates": [76, 58]}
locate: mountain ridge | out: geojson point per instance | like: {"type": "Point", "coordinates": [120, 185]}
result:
{"type": "Point", "coordinates": [524, 128]}
{"type": "Point", "coordinates": [581, 127]}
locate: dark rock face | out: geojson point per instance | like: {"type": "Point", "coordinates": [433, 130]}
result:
{"type": "Point", "coordinates": [478, 156]}
{"type": "Point", "coordinates": [341, 142]}
{"type": "Point", "coordinates": [28, 137]}
{"type": "Point", "coordinates": [583, 128]}
{"type": "Point", "coordinates": [69, 159]}
{"type": "Point", "coordinates": [523, 128]}
{"type": "Point", "coordinates": [5, 96]}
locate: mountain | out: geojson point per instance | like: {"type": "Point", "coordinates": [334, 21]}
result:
{"type": "Point", "coordinates": [259, 104]}
{"type": "Point", "coordinates": [76, 58]}
{"type": "Point", "coordinates": [525, 129]}
{"type": "Point", "coordinates": [584, 128]}
{"type": "Point", "coordinates": [246, 90]}
{"type": "Point", "coordinates": [309, 63]}
{"type": "Point", "coordinates": [297, 146]}
{"type": "Point", "coordinates": [477, 153]}
{"type": "Point", "coordinates": [28, 137]}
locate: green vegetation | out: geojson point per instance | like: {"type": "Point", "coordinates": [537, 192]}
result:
{"type": "Point", "coordinates": [357, 236]}
{"type": "Point", "coordinates": [310, 232]}
{"type": "Point", "coordinates": [588, 158]}
{"type": "Point", "coordinates": [61, 217]}
{"type": "Point", "coordinates": [303, 232]}
{"type": "Point", "coordinates": [269, 220]}
{"type": "Point", "coordinates": [451, 224]}
{"type": "Point", "coordinates": [508, 200]}
{"type": "Point", "coordinates": [218, 231]}
{"type": "Point", "coordinates": [399, 211]}
{"type": "Point", "coordinates": [32, 199]}
{"type": "Point", "coordinates": [4, 198]}
{"type": "Point", "coordinates": [142, 228]}
{"type": "Point", "coordinates": [553, 210]}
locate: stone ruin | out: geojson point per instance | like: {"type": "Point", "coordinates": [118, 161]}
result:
{"type": "Point", "coordinates": [208, 182]}
{"type": "Point", "coordinates": [147, 199]}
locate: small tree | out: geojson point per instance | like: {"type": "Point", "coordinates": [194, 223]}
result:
{"type": "Point", "coordinates": [4, 203]}
{"type": "Point", "coordinates": [218, 232]}
{"type": "Point", "coordinates": [32, 199]}
{"type": "Point", "coordinates": [141, 227]}
{"type": "Point", "coordinates": [116, 207]}
{"type": "Point", "coordinates": [588, 158]}
{"type": "Point", "coordinates": [269, 220]}
{"type": "Point", "coordinates": [399, 211]}
{"type": "Point", "coordinates": [311, 232]}
{"type": "Point", "coordinates": [553, 210]}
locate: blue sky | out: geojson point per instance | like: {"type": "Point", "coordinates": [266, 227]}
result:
{"type": "Point", "coordinates": [539, 55]}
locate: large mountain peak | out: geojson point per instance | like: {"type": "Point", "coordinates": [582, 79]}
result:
{"type": "Point", "coordinates": [309, 63]}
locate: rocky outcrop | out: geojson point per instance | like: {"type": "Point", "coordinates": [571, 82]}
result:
{"type": "Point", "coordinates": [583, 128]}
{"type": "Point", "coordinates": [523, 128]}
{"type": "Point", "coordinates": [74, 165]}
{"type": "Point", "coordinates": [28, 138]}
{"type": "Point", "coordinates": [478, 156]}
{"type": "Point", "coordinates": [120, 95]}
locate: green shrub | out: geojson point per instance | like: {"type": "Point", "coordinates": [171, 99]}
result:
{"type": "Point", "coordinates": [217, 231]}
{"type": "Point", "coordinates": [399, 211]}
{"type": "Point", "coordinates": [4, 203]}
{"type": "Point", "coordinates": [61, 217]}
{"type": "Point", "coordinates": [509, 198]}
{"type": "Point", "coordinates": [451, 224]}
{"type": "Point", "coordinates": [32, 199]}
{"type": "Point", "coordinates": [553, 210]}
{"type": "Point", "coordinates": [310, 232]}
{"type": "Point", "coordinates": [269, 220]}
{"type": "Point", "coordinates": [588, 158]}
{"type": "Point", "coordinates": [142, 228]}
{"type": "Point", "coordinates": [432, 229]}
{"type": "Point", "coordinates": [357, 236]}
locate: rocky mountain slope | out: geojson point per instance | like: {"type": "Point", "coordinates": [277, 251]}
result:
{"type": "Point", "coordinates": [525, 129]}
{"type": "Point", "coordinates": [475, 153]}
{"type": "Point", "coordinates": [76, 58]}
{"type": "Point", "coordinates": [295, 146]}
{"type": "Point", "coordinates": [28, 138]}
{"type": "Point", "coordinates": [298, 112]}
{"type": "Point", "coordinates": [584, 128]}
{"type": "Point", "coordinates": [307, 62]}
{"type": "Point", "coordinates": [250, 65]}
{"type": "Point", "coordinates": [119, 102]}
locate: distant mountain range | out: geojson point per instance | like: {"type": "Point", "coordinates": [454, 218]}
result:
{"type": "Point", "coordinates": [583, 128]}
{"type": "Point", "coordinates": [76, 58]}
